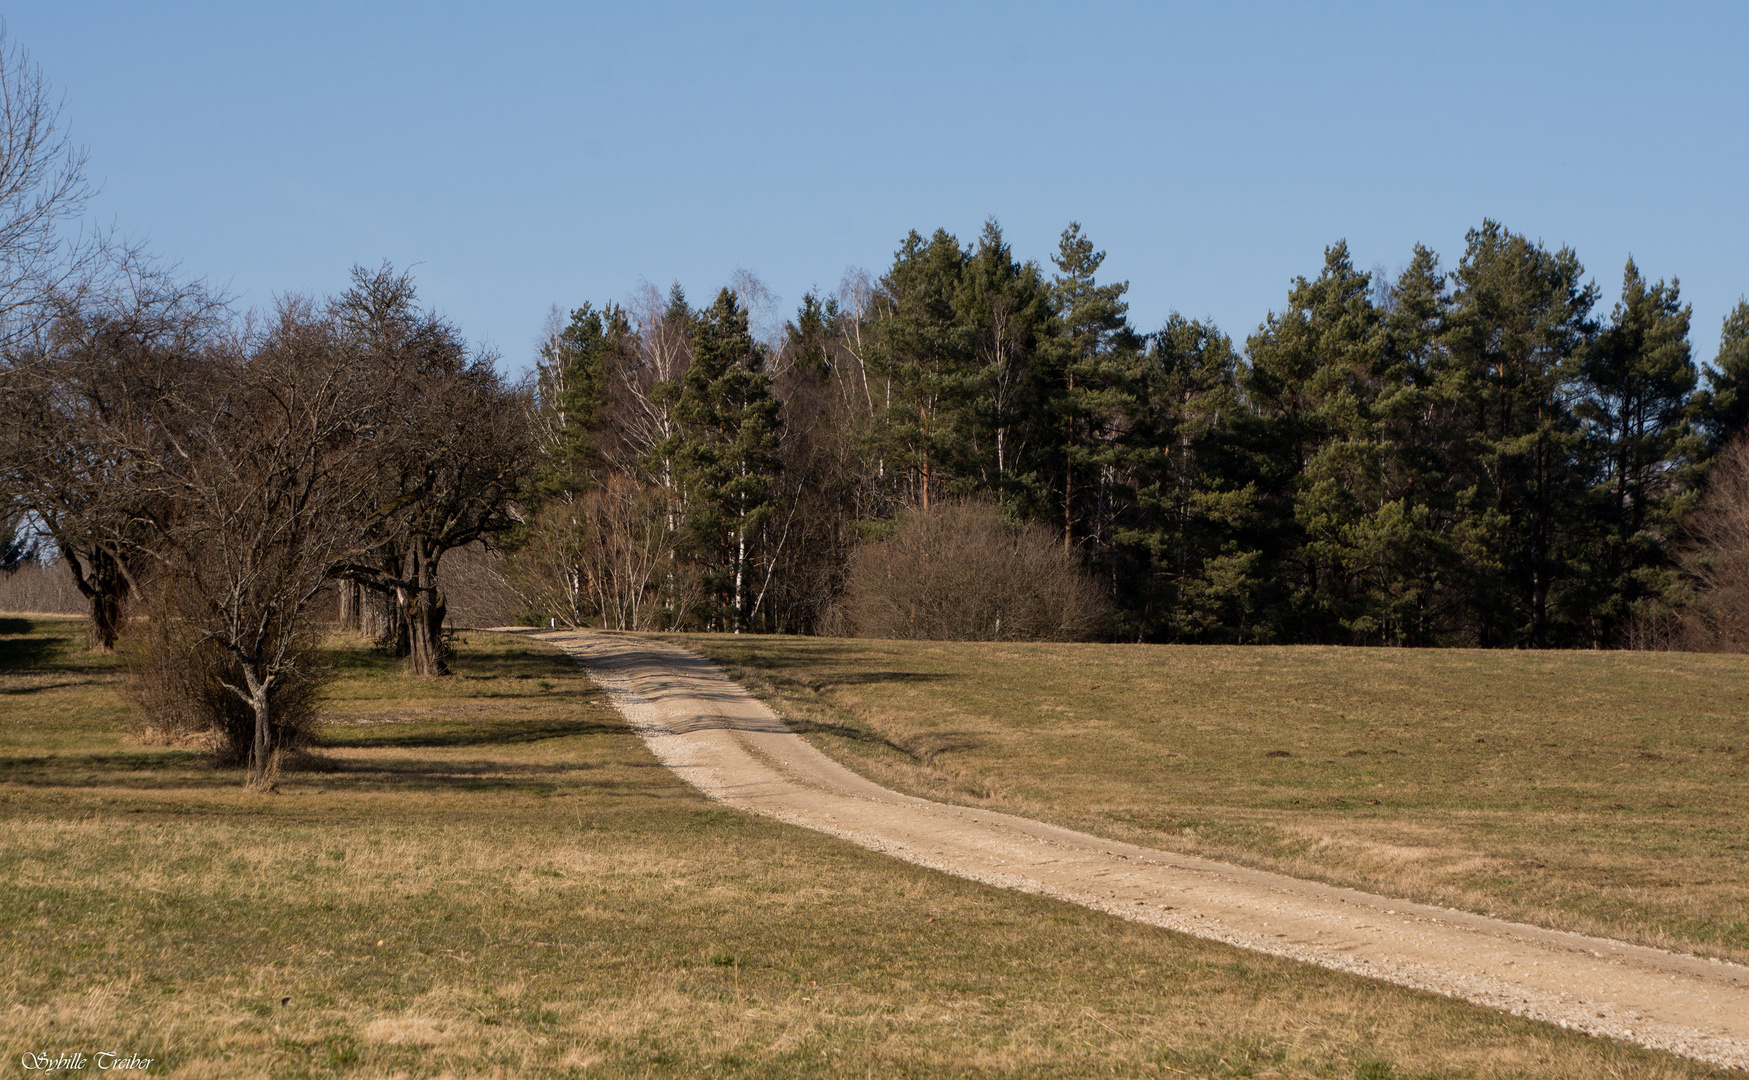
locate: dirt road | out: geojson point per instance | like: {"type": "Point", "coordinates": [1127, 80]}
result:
{"type": "Point", "coordinates": [733, 748]}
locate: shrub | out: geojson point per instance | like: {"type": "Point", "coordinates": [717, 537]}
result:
{"type": "Point", "coordinates": [182, 681]}
{"type": "Point", "coordinates": [961, 572]}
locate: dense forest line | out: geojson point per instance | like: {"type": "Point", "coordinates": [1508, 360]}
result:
{"type": "Point", "coordinates": [1474, 455]}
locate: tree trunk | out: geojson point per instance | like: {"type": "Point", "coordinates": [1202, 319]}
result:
{"type": "Point", "coordinates": [372, 613]}
{"type": "Point", "coordinates": [424, 609]}
{"type": "Point", "coordinates": [1069, 474]}
{"type": "Point", "coordinates": [261, 751]}
{"type": "Point", "coordinates": [351, 605]}
{"type": "Point", "coordinates": [106, 619]}
{"type": "Point", "coordinates": [425, 635]}
{"type": "Point", "coordinates": [105, 587]}
{"type": "Point", "coordinates": [740, 565]}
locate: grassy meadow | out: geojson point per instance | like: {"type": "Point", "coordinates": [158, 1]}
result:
{"type": "Point", "coordinates": [1604, 792]}
{"type": "Point", "coordinates": [489, 876]}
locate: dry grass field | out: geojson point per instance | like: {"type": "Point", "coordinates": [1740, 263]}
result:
{"type": "Point", "coordinates": [489, 876]}
{"type": "Point", "coordinates": [1598, 792]}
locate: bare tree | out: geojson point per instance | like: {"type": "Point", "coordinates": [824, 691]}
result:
{"type": "Point", "coordinates": [597, 559]}
{"type": "Point", "coordinates": [856, 299]}
{"type": "Point", "coordinates": [1718, 556]}
{"type": "Point", "coordinates": [646, 389]}
{"type": "Point", "coordinates": [100, 367]}
{"type": "Point", "coordinates": [477, 590]}
{"type": "Point", "coordinates": [38, 586]}
{"type": "Point", "coordinates": [263, 495]}
{"type": "Point", "coordinates": [42, 189]}
{"type": "Point", "coordinates": [454, 448]}
{"type": "Point", "coordinates": [764, 308]}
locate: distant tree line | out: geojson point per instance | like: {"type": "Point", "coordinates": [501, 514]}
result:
{"type": "Point", "coordinates": [1466, 456]}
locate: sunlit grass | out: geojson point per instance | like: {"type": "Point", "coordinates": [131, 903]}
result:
{"type": "Point", "coordinates": [1600, 792]}
{"type": "Point", "coordinates": [489, 876]}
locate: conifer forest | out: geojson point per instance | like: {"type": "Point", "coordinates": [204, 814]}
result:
{"type": "Point", "coordinates": [1474, 453]}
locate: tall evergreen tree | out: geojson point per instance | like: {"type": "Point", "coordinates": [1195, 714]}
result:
{"type": "Point", "coordinates": [1313, 379]}
{"type": "Point", "coordinates": [1639, 409]}
{"type": "Point", "coordinates": [1006, 308]}
{"type": "Point", "coordinates": [1184, 563]}
{"type": "Point", "coordinates": [1640, 380]}
{"type": "Point", "coordinates": [727, 454]}
{"type": "Point", "coordinates": [1520, 319]}
{"type": "Point", "coordinates": [575, 373]}
{"type": "Point", "coordinates": [1094, 354]}
{"type": "Point", "coordinates": [927, 367]}
{"type": "Point", "coordinates": [1419, 533]}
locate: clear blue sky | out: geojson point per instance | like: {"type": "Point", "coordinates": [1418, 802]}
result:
{"type": "Point", "coordinates": [525, 155]}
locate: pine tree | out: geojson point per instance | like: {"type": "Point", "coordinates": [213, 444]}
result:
{"type": "Point", "coordinates": [1313, 378]}
{"type": "Point", "coordinates": [1418, 533]}
{"type": "Point", "coordinates": [927, 369]}
{"type": "Point", "coordinates": [575, 372]}
{"type": "Point", "coordinates": [1093, 357]}
{"type": "Point", "coordinates": [1005, 308]}
{"type": "Point", "coordinates": [1640, 380]}
{"type": "Point", "coordinates": [727, 454]}
{"type": "Point", "coordinates": [1639, 407]}
{"type": "Point", "coordinates": [1185, 569]}
{"type": "Point", "coordinates": [1520, 319]}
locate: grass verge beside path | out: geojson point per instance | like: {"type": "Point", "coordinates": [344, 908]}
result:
{"type": "Point", "coordinates": [1598, 792]}
{"type": "Point", "coordinates": [492, 877]}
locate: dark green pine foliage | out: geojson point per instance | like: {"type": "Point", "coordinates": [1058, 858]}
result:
{"type": "Point", "coordinates": [1005, 307]}
{"type": "Point", "coordinates": [1640, 410]}
{"type": "Point", "coordinates": [1183, 559]}
{"type": "Point", "coordinates": [1092, 363]}
{"type": "Point", "coordinates": [1419, 532]}
{"type": "Point", "coordinates": [1725, 408]}
{"type": "Point", "coordinates": [673, 331]}
{"type": "Point", "coordinates": [810, 336]}
{"type": "Point", "coordinates": [927, 366]}
{"type": "Point", "coordinates": [1519, 322]}
{"type": "Point", "coordinates": [1313, 379]}
{"type": "Point", "coordinates": [727, 457]}
{"type": "Point", "coordinates": [576, 371]}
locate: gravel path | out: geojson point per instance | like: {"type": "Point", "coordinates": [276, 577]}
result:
{"type": "Point", "coordinates": [732, 747]}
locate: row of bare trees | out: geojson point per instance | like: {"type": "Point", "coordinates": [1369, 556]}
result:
{"type": "Point", "coordinates": [225, 472]}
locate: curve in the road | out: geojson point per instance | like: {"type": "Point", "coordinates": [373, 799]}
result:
{"type": "Point", "coordinates": [732, 747]}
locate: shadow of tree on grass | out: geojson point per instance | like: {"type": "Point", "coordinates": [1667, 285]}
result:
{"type": "Point", "coordinates": [414, 734]}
